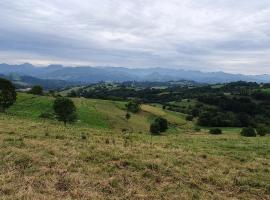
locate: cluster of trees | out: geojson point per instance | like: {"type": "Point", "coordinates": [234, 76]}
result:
{"type": "Point", "coordinates": [260, 130]}
{"type": "Point", "coordinates": [233, 111]}
{"type": "Point", "coordinates": [122, 92]}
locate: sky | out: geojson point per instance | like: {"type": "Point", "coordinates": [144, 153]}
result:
{"type": "Point", "coordinates": [208, 35]}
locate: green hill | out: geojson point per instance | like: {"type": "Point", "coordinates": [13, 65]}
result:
{"type": "Point", "coordinates": [94, 159]}
{"type": "Point", "coordinates": [95, 113]}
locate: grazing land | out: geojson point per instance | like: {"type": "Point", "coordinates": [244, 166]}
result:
{"type": "Point", "coordinates": [96, 159]}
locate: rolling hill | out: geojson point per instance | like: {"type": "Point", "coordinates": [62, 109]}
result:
{"type": "Point", "coordinates": [94, 159]}
{"type": "Point", "coordinates": [97, 113]}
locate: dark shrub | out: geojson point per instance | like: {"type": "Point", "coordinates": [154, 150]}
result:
{"type": "Point", "coordinates": [197, 129]}
{"type": "Point", "coordinates": [133, 107]}
{"type": "Point", "coordinates": [215, 131]}
{"type": "Point", "coordinates": [248, 132]}
{"type": "Point", "coordinates": [83, 137]}
{"type": "Point", "coordinates": [163, 124]}
{"type": "Point", "coordinates": [127, 116]}
{"type": "Point", "coordinates": [46, 115]}
{"type": "Point", "coordinates": [189, 118]}
{"type": "Point", "coordinates": [195, 112]}
{"type": "Point", "coordinates": [262, 130]}
{"type": "Point", "coordinates": [155, 128]}
{"type": "Point", "coordinates": [36, 90]}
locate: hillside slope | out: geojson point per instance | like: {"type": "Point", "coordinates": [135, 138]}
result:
{"type": "Point", "coordinates": [97, 113]}
{"type": "Point", "coordinates": [45, 160]}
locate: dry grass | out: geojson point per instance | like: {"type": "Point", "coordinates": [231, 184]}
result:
{"type": "Point", "coordinates": [48, 161]}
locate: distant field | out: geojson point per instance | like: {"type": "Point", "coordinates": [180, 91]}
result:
{"type": "Point", "coordinates": [45, 160]}
{"type": "Point", "coordinates": [266, 90]}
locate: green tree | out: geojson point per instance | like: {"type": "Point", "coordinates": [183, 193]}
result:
{"type": "Point", "coordinates": [195, 112]}
{"type": "Point", "coordinates": [189, 118]}
{"type": "Point", "coordinates": [262, 130]}
{"type": "Point", "coordinates": [65, 110]}
{"type": "Point", "coordinates": [248, 132]}
{"type": "Point", "coordinates": [155, 128]}
{"type": "Point", "coordinates": [36, 90]}
{"type": "Point", "coordinates": [7, 94]}
{"type": "Point", "coordinates": [163, 124]}
{"type": "Point", "coordinates": [133, 107]}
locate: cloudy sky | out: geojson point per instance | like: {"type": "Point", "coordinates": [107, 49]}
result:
{"type": "Point", "coordinates": [208, 35]}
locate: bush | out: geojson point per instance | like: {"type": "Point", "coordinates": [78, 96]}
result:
{"type": "Point", "coordinates": [197, 129]}
{"type": "Point", "coordinates": [215, 131]}
{"type": "Point", "coordinates": [36, 90]}
{"type": "Point", "coordinates": [262, 130]}
{"type": "Point", "coordinates": [195, 112]}
{"type": "Point", "coordinates": [133, 107]}
{"type": "Point", "coordinates": [248, 132]}
{"type": "Point", "coordinates": [46, 115]}
{"type": "Point", "coordinates": [127, 116]}
{"type": "Point", "coordinates": [163, 124]}
{"type": "Point", "coordinates": [158, 126]}
{"type": "Point", "coordinates": [189, 118]}
{"type": "Point", "coordinates": [155, 128]}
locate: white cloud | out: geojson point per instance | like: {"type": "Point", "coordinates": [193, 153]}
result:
{"type": "Point", "coordinates": [207, 35]}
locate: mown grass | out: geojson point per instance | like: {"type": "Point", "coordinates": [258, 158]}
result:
{"type": "Point", "coordinates": [45, 160]}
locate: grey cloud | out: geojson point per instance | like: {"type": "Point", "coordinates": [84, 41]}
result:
{"type": "Point", "coordinates": [208, 35]}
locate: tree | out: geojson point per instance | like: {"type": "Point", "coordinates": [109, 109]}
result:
{"type": "Point", "coordinates": [262, 130]}
{"type": "Point", "coordinates": [158, 126]}
{"type": "Point", "coordinates": [155, 128]}
{"type": "Point", "coordinates": [72, 93]}
{"type": "Point", "coordinates": [189, 118]}
{"type": "Point", "coordinates": [133, 107]}
{"type": "Point", "coordinates": [204, 119]}
{"type": "Point", "coordinates": [36, 90]}
{"type": "Point", "coordinates": [65, 110]}
{"type": "Point", "coordinates": [248, 132]}
{"type": "Point", "coordinates": [7, 94]}
{"type": "Point", "coordinates": [195, 112]}
{"type": "Point", "coordinates": [215, 131]}
{"type": "Point", "coordinates": [163, 124]}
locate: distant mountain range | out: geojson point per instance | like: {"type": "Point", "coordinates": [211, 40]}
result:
{"type": "Point", "coordinates": [87, 75]}
{"type": "Point", "coordinates": [21, 81]}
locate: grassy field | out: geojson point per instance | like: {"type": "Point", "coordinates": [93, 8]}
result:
{"type": "Point", "coordinates": [96, 113]}
{"type": "Point", "coordinates": [94, 160]}
{"type": "Point", "coordinates": [266, 90]}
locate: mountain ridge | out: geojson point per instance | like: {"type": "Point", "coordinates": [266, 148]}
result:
{"type": "Point", "coordinates": [90, 74]}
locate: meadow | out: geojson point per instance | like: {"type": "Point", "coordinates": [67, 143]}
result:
{"type": "Point", "coordinates": [95, 159]}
